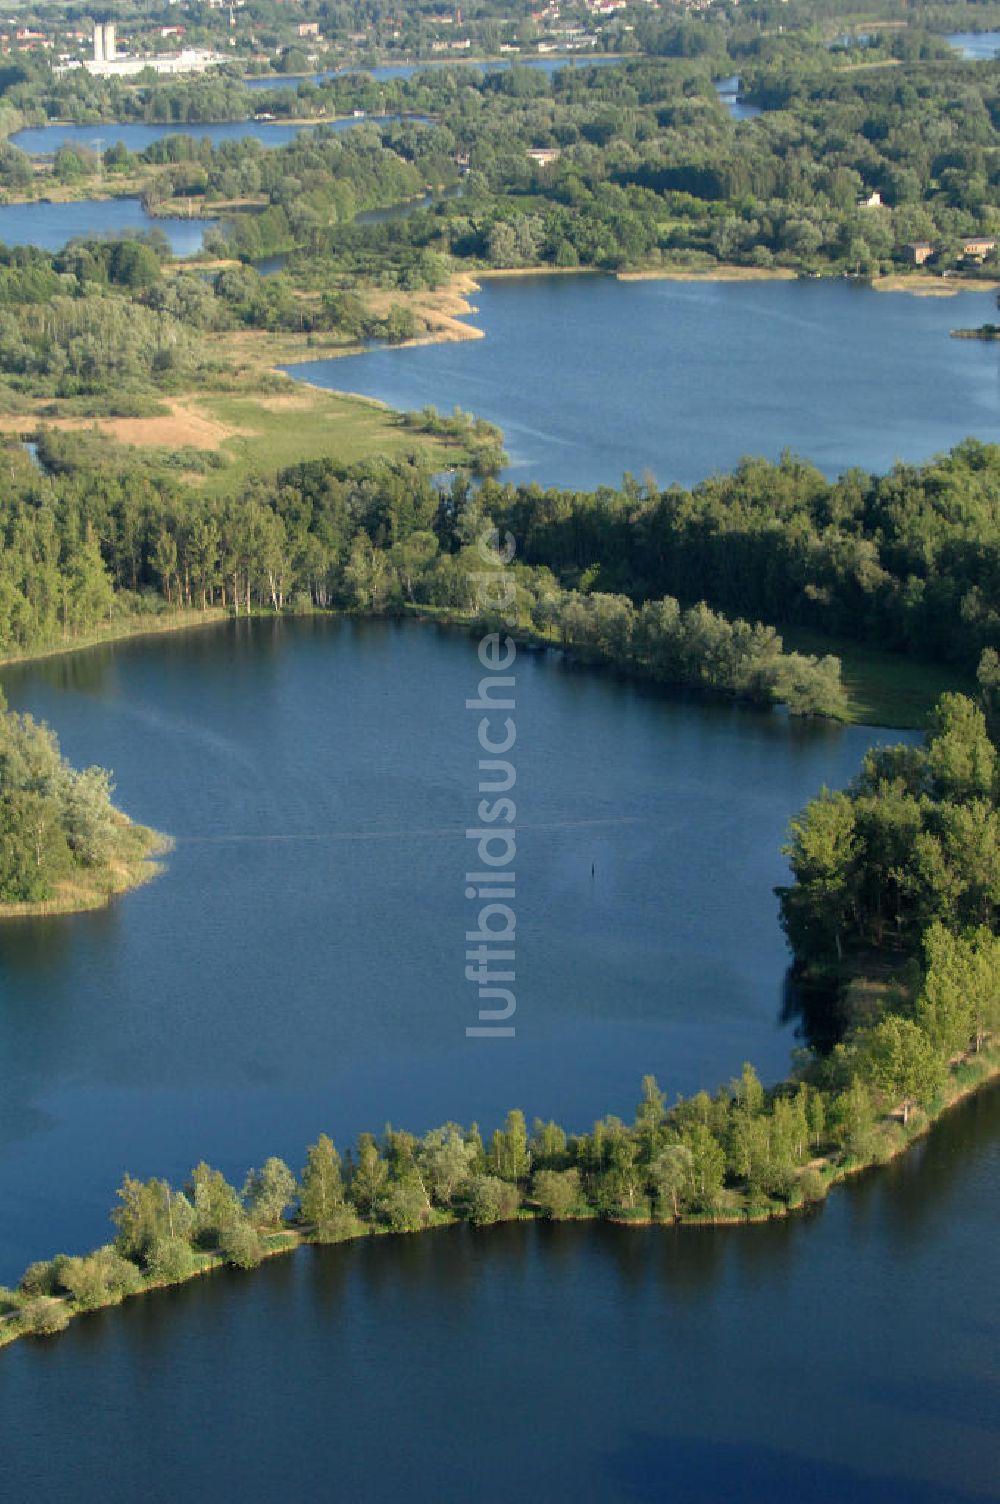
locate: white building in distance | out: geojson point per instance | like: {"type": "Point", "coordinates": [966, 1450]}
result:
{"type": "Point", "coordinates": [108, 63]}
{"type": "Point", "coordinates": [105, 44]}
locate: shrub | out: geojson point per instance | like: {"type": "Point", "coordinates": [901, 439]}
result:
{"type": "Point", "coordinates": [170, 1260]}
{"type": "Point", "coordinates": [84, 1279]}
{"type": "Point", "coordinates": [812, 1186]}
{"type": "Point", "coordinates": [41, 1278]}
{"type": "Point", "coordinates": [340, 1225]}
{"type": "Point", "coordinates": [100, 1277]}
{"type": "Point", "coordinates": [404, 1206]}
{"type": "Point", "coordinates": [44, 1316]}
{"type": "Point", "coordinates": [240, 1245]}
{"type": "Point", "coordinates": [492, 1200]}
{"type": "Point", "coordinates": [557, 1193]}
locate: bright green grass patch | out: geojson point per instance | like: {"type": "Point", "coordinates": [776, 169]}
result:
{"type": "Point", "coordinates": [303, 423]}
{"type": "Point", "coordinates": [884, 689]}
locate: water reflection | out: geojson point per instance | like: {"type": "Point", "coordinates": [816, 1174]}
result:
{"type": "Point", "coordinates": [848, 1353]}
{"type": "Point", "coordinates": [314, 774]}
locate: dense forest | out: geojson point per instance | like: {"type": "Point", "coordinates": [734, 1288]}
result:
{"type": "Point", "coordinates": [648, 166]}
{"type": "Point", "coordinates": [80, 545]}
{"type": "Point", "coordinates": [641, 163]}
{"type": "Point", "coordinates": [633, 576]}
{"type": "Point", "coordinates": [909, 560]}
{"type": "Point", "coordinates": [910, 849]}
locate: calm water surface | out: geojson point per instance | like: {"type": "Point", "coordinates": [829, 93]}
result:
{"type": "Point", "coordinates": [51, 226]}
{"type": "Point", "coordinates": [299, 966]}
{"type": "Point", "coordinates": [728, 90]}
{"type": "Point", "coordinates": [978, 46]}
{"type": "Point", "coordinates": [589, 377]}
{"type": "Point", "coordinates": [849, 1356]}
{"type": "Point", "coordinates": [45, 140]}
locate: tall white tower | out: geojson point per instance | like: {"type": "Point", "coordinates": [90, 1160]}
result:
{"type": "Point", "coordinates": [98, 42]}
{"type": "Point", "coordinates": [110, 42]}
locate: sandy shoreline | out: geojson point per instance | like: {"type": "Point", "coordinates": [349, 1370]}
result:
{"type": "Point", "coordinates": [932, 287]}
{"type": "Point", "coordinates": [723, 272]}
{"type": "Point", "coordinates": [511, 273]}
{"type": "Point", "coordinates": [444, 312]}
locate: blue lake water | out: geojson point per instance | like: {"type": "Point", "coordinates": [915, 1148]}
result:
{"type": "Point", "coordinates": [589, 376]}
{"type": "Point", "coordinates": [45, 140]}
{"type": "Point", "coordinates": [51, 226]}
{"type": "Point", "coordinates": [728, 90]}
{"type": "Point", "coordinates": [851, 1356]}
{"type": "Point", "coordinates": [978, 46]}
{"type": "Point", "coordinates": [299, 965]}
{"type": "Point", "coordinates": [298, 968]}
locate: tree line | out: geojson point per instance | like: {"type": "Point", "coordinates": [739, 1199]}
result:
{"type": "Point", "coordinates": [674, 584]}
{"type": "Point", "coordinates": [910, 848]}
{"type": "Point", "coordinates": [908, 560]}
{"type": "Point", "coordinates": [82, 543]}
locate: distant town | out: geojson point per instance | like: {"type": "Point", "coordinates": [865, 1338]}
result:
{"type": "Point", "coordinates": [178, 38]}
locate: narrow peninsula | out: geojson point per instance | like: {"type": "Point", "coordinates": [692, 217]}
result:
{"type": "Point", "coordinates": [906, 969]}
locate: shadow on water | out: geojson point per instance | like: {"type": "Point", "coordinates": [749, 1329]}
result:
{"type": "Point", "coordinates": [41, 948]}
{"type": "Point", "coordinates": [94, 670]}
{"type": "Point", "coordinates": [690, 1470]}
{"type": "Point", "coordinates": [814, 1011]}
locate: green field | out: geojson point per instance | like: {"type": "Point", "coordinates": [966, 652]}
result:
{"type": "Point", "coordinates": [885, 689]}
{"type": "Point", "coordinates": [271, 433]}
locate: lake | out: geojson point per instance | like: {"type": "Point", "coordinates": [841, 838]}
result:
{"type": "Point", "coordinates": [299, 965]}
{"type": "Point", "coordinates": [589, 376]}
{"type": "Point", "coordinates": [298, 968]}
{"type": "Point", "coordinates": [51, 226]}
{"type": "Point", "coordinates": [977, 46]}
{"type": "Point", "coordinates": [45, 140]}
{"type": "Point", "coordinates": [728, 90]}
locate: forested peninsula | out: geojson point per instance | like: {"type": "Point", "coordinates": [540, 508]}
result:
{"type": "Point", "coordinates": [64, 846]}
{"type": "Point", "coordinates": [891, 914]}
{"type": "Point", "coordinates": [699, 587]}
{"type": "Point", "coordinates": [902, 1047]}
